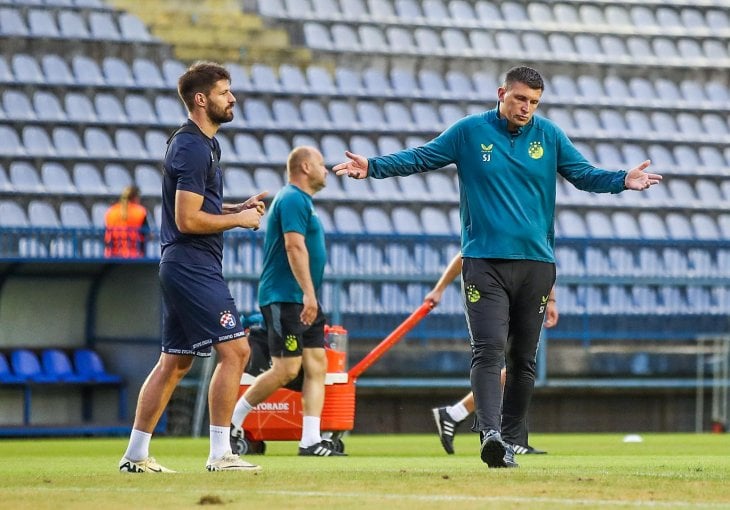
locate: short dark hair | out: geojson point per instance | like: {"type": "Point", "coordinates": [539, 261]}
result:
{"type": "Point", "coordinates": [200, 77]}
{"type": "Point", "coordinates": [526, 75]}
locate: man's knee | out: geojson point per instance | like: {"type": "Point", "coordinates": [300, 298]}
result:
{"type": "Point", "coordinates": [286, 369]}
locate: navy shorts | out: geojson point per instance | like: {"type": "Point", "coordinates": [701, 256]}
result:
{"type": "Point", "coordinates": [287, 335]}
{"type": "Point", "coordinates": [197, 309]}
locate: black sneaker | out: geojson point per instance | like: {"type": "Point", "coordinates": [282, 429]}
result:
{"type": "Point", "coordinates": [495, 452]}
{"type": "Point", "coordinates": [236, 437]}
{"type": "Point", "coordinates": [527, 450]}
{"type": "Point", "coordinates": [446, 427]}
{"type": "Point", "coordinates": [322, 449]}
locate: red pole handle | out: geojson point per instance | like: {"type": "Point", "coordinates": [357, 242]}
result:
{"type": "Point", "coordinates": [389, 341]}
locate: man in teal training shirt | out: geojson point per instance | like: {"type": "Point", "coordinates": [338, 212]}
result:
{"type": "Point", "coordinates": [507, 161]}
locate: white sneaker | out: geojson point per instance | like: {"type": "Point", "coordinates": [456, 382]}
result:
{"type": "Point", "coordinates": [148, 465]}
{"type": "Point", "coordinates": [232, 462]}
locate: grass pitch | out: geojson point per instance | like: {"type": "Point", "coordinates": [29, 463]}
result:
{"type": "Point", "coordinates": [393, 472]}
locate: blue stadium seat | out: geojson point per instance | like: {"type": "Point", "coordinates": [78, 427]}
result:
{"type": "Point", "coordinates": [74, 215]}
{"type": "Point", "coordinates": [42, 214]}
{"type": "Point", "coordinates": [267, 179]}
{"type": "Point", "coordinates": [129, 145]}
{"type": "Point", "coordinates": [376, 221]}
{"type": "Point", "coordinates": [117, 73]}
{"type": "Point", "coordinates": [24, 177]}
{"type": "Point", "coordinates": [89, 365]}
{"type": "Point", "coordinates": [248, 148]}
{"type": "Point", "coordinates": [276, 149]}
{"type": "Point", "coordinates": [88, 180]}
{"type": "Point", "coordinates": [103, 27]}
{"type": "Point", "coordinates": [6, 374]}
{"type": "Point", "coordinates": [99, 144]}
{"type": "Point", "coordinates": [317, 36]}
{"type": "Point", "coordinates": [37, 142]}
{"type": "Point", "coordinates": [56, 179]}
{"type": "Point", "coordinates": [435, 221]}
{"type": "Point", "coordinates": [406, 221]}
{"type": "Point", "coordinates": [139, 110]}
{"type": "Point", "coordinates": [41, 24]}
{"type": "Point", "coordinates": [363, 145]}
{"type": "Point", "coordinates": [116, 178]}
{"type": "Point", "coordinates": [72, 25]}
{"type": "Point", "coordinates": [173, 69]}
{"type": "Point", "coordinates": [370, 258]}
{"type": "Point", "coordinates": [347, 220]}
{"type": "Point", "coordinates": [342, 260]}
{"type": "Point", "coordinates": [371, 39]}
{"type": "Point", "coordinates": [67, 143]}
{"type": "Point", "coordinates": [57, 365]}
{"type": "Point", "coordinates": [10, 142]}
{"type": "Point", "coordinates": [26, 366]}
{"type": "Point", "coordinates": [47, 107]}
{"type": "Point", "coordinates": [292, 79]}
{"type": "Point", "coordinates": [12, 23]}
{"type": "Point", "coordinates": [148, 179]}
{"type": "Point", "coordinates": [17, 105]}
{"type": "Point", "coordinates": [319, 80]}
{"type": "Point", "coordinates": [55, 70]}
{"type": "Point", "coordinates": [109, 109]}
{"type": "Point", "coordinates": [133, 29]}
{"type": "Point", "coordinates": [369, 114]}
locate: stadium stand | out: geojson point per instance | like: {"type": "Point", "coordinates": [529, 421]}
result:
{"type": "Point", "coordinates": [89, 99]}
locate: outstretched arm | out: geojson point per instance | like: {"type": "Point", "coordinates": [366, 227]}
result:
{"type": "Point", "coordinates": [448, 276]}
{"type": "Point", "coordinates": [638, 180]}
{"type": "Point", "coordinates": [356, 167]}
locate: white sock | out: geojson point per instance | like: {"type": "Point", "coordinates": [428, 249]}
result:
{"type": "Point", "coordinates": [310, 431]}
{"type": "Point", "coordinates": [240, 412]}
{"type": "Point", "coordinates": [458, 412]}
{"type": "Point", "coordinates": [220, 442]}
{"type": "Point", "coordinates": [139, 446]}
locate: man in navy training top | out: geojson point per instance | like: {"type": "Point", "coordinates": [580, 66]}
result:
{"type": "Point", "coordinates": [198, 312]}
{"type": "Point", "coordinates": [507, 161]}
{"type": "Point", "coordinates": [294, 260]}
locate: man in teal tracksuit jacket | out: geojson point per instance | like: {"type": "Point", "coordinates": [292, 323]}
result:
{"type": "Point", "coordinates": [507, 161]}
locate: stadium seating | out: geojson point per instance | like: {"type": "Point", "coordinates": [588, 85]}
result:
{"type": "Point", "coordinates": [89, 99]}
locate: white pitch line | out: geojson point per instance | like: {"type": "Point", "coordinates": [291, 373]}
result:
{"type": "Point", "coordinates": [414, 497]}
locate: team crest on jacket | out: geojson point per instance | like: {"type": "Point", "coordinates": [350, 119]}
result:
{"type": "Point", "coordinates": [228, 320]}
{"type": "Point", "coordinates": [487, 152]}
{"type": "Point", "coordinates": [535, 150]}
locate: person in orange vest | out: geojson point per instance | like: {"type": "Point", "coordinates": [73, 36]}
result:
{"type": "Point", "coordinates": [126, 224]}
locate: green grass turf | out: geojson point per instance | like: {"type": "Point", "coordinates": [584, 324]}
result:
{"type": "Point", "coordinates": [382, 471]}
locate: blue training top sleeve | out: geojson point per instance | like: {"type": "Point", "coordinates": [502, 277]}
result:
{"type": "Point", "coordinates": [435, 154]}
{"type": "Point", "coordinates": [578, 171]}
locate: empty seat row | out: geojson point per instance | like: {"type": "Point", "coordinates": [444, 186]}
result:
{"type": "Point", "coordinates": [679, 20]}
{"type": "Point", "coordinates": [431, 83]}
{"type": "Point", "coordinates": [612, 123]}
{"type": "Point", "coordinates": [694, 262]}
{"type": "Point", "coordinates": [675, 192]}
{"type": "Point", "coordinates": [609, 49]}
{"type": "Point", "coordinates": [643, 300]}
{"type": "Point", "coordinates": [55, 366]}
{"type": "Point", "coordinates": [65, 143]}
{"type": "Point", "coordinates": [83, 178]}
{"type": "Point", "coordinates": [72, 24]}
{"type": "Point", "coordinates": [102, 107]}
{"type": "Point", "coordinates": [646, 225]}
{"type": "Point", "coordinates": [83, 71]}
{"type": "Point", "coordinates": [690, 159]}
